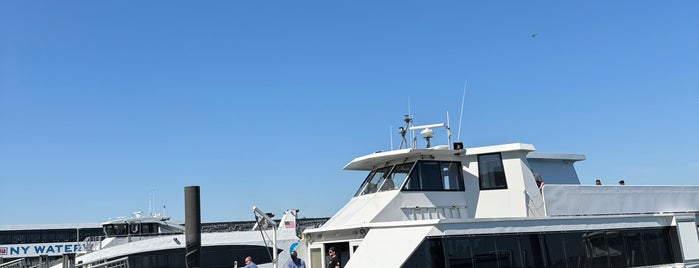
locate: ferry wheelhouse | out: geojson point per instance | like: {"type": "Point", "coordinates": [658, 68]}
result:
{"type": "Point", "coordinates": [484, 207]}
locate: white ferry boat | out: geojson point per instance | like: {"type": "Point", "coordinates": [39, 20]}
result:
{"type": "Point", "coordinates": [151, 241]}
{"type": "Point", "coordinates": [453, 207]}
{"type": "Point", "coordinates": [35, 244]}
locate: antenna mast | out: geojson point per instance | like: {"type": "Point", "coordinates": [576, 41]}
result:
{"type": "Point", "coordinates": [448, 131]}
{"type": "Point", "coordinates": [390, 135]}
{"type": "Point", "coordinates": [403, 131]}
{"type": "Point", "coordinates": [412, 133]}
{"type": "Point", "coordinates": [150, 203]}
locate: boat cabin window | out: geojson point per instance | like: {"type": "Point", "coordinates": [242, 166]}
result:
{"type": "Point", "coordinates": [491, 173]}
{"type": "Point", "coordinates": [396, 178]}
{"type": "Point", "coordinates": [115, 229]}
{"type": "Point", "coordinates": [148, 228]}
{"type": "Point", "coordinates": [372, 182]}
{"type": "Point", "coordinates": [596, 248]}
{"type": "Point", "coordinates": [385, 179]}
{"type": "Point", "coordinates": [435, 176]}
{"type": "Point", "coordinates": [423, 176]}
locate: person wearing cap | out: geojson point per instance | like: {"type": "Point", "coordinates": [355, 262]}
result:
{"type": "Point", "coordinates": [295, 261]}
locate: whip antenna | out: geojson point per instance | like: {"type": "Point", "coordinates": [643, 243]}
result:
{"type": "Point", "coordinates": [458, 137]}
{"type": "Point", "coordinates": [448, 130]}
{"type": "Point", "coordinates": [390, 135]}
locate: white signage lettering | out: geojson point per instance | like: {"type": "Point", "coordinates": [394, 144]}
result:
{"type": "Point", "coordinates": [34, 250]}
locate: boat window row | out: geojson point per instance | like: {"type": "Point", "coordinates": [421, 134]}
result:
{"type": "Point", "coordinates": [415, 176]}
{"type": "Point", "coordinates": [426, 175]}
{"type": "Point", "coordinates": [211, 256]}
{"type": "Point", "coordinates": [123, 229]}
{"type": "Point", "coordinates": [47, 236]}
{"type": "Point", "coordinates": [601, 248]}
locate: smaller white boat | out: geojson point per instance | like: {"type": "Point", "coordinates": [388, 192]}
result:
{"type": "Point", "coordinates": [152, 241]}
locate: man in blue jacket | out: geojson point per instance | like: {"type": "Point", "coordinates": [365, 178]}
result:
{"type": "Point", "coordinates": [249, 263]}
{"type": "Point", "coordinates": [295, 261]}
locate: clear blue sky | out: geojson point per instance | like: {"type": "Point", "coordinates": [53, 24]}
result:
{"type": "Point", "coordinates": [263, 102]}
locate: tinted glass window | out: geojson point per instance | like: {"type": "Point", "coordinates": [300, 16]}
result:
{"type": "Point", "coordinates": [147, 228]}
{"type": "Point", "coordinates": [430, 253]}
{"type": "Point", "coordinates": [396, 177]}
{"type": "Point", "coordinates": [491, 172]}
{"type": "Point", "coordinates": [436, 176]}
{"type": "Point", "coordinates": [211, 256]}
{"type": "Point", "coordinates": [556, 252]}
{"type": "Point", "coordinates": [62, 236]}
{"type": "Point", "coordinates": [616, 250]}
{"type": "Point", "coordinates": [460, 252]}
{"type": "Point", "coordinates": [430, 176]}
{"type": "Point", "coordinates": [532, 250]}
{"type": "Point", "coordinates": [594, 248]}
{"type": "Point", "coordinates": [33, 237]}
{"type": "Point", "coordinates": [84, 233]}
{"type": "Point", "coordinates": [373, 181]}
{"type": "Point", "coordinates": [576, 253]}
{"type": "Point", "coordinates": [484, 252]}
{"type": "Point", "coordinates": [452, 174]}
{"type": "Point", "coordinates": [634, 249]}
{"type": "Point", "coordinates": [597, 248]}
{"type": "Point", "coordinates": [5, 238]}
{"type": "Point", "coordinates": [19, 238]}
{"type": "Point", "coordinates": [508, 251]}
{"type": "Point", "coordinates": [656, 248]}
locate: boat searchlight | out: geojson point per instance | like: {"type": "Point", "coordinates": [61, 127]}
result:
{"type": "Point", "coordinates": [426, 131]}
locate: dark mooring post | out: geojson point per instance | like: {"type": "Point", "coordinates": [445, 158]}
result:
{"type": "Point", "coordinates": [192, 226]}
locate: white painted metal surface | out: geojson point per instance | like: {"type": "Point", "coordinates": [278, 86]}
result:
{"type": "Point", "coordinates": [568, 200]}
{"type": "Point", "coordinates": [398, 243]}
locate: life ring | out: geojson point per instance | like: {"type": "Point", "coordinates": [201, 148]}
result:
{"type": "Point", "coordinates": [135, 228]}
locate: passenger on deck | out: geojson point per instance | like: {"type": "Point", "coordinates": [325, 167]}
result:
{"type": "Point", "coordinates": [249, 263]}
{"type": "Point", "coordinates": [334, 260]}
{"type": "Point", "coordinates": [598, 182]}
{"type": "Point", "coordinates": [295, 261]}
{"type": "Point", "coordinates": [538, 179]}
{"type": "Point", "coordinates": [621, 182]}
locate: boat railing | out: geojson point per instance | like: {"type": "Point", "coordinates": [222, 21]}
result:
{"type": "Point", "coordinates": [18, 263]}
{"type": "Point", "coordinates": [118, 263]}
{"type": "Point", "coordinates": [579, 200]}
{"type": "Point", "coordinates": [95, 243]}
{"type": "Point", "coordinates": [40, 265]}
